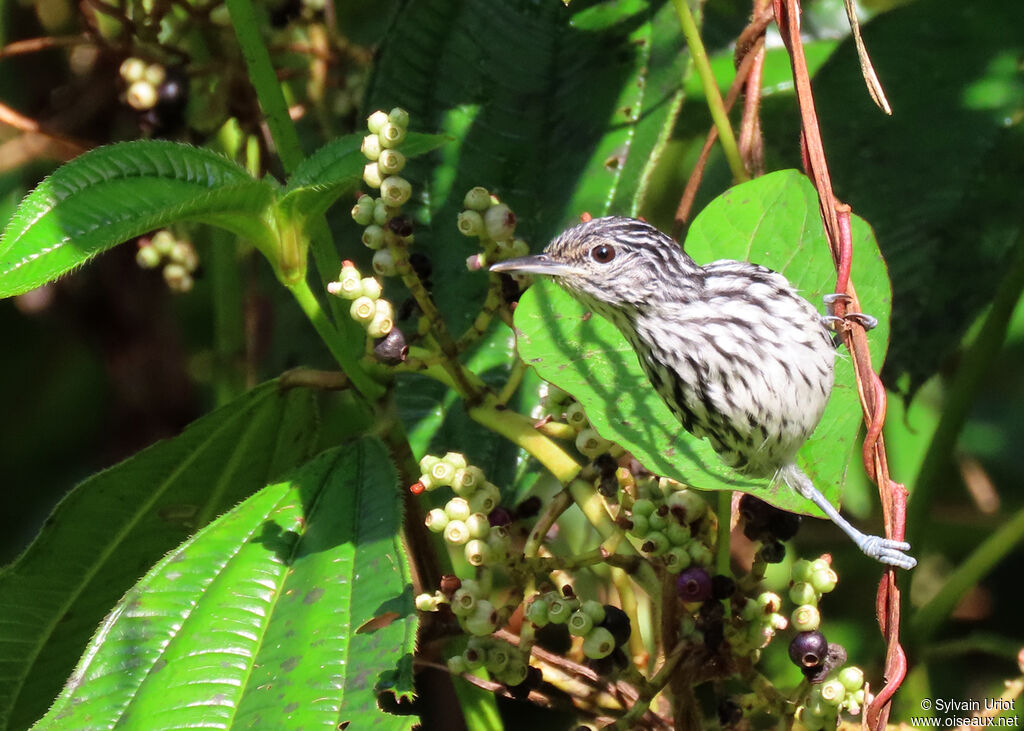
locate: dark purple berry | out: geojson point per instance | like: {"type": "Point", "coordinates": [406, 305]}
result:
{"type": "Point", "coordinates": [421, 264]}
{"type": "Point", "coordinates": [554, 638]}
{"type": "Point", "coordinates": [450, 584]}
{"type": "Point", "coordinates": [773, 551]}
{"type": "Point", "coordinates": [532, 682]}
{"type": "Point", "coordinates": [402, 227]}
{"type": "Point", "coordinates": [764, 522]}
{"type": "Point", "coordinates": [694, 585]}
{"type": "Point", "coordinates": [617, 622]}
{"type": "Point", "coordinates": [606, 465]}
{"type": "Point", "coordinates": [808, 649]}
{"type": "Point", "coordinates": [529, 507]}
{"type": "Point", "coordinates": [729, 712]}
{"type": "Point", "coordinates": [608, 486]}
{"type": "Point", "coordinates": [784, 525]}
{"type": "Point", "coordinates": [499, 516]}
{"type": "Point", "coordinates": [392, 348]}
{"type": "Point", "coordinates": [714, 636]}
{"type": "Point", "coordinates": [722, 587]}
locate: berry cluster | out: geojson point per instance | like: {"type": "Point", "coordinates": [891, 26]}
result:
{"type": "Point", "coordinates": [384, 226]}
{"type": "Point", "coordinates": [368, 308]}
{"type": "Point", "coordinates": [178, 257]}
{"type": "Point", "coordinates": [485, 217]}
{"type": "Point", "coordinates": [674, 523]}
{"type": "Point", "coordinates": [603, 627]}
{"type": "Point", "coordinates": [505, 662]}
{"type": "Point", "coordinates": [472, 518]}
{"type": "Point", "coordinates": [769, 525]}
{"type": "Point", "coordinates": [159, 94]}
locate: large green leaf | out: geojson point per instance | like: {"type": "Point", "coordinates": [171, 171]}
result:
{"type": "Point", "coordinates": [772, 220]}
{"type": "Point", "coordinates": [113, 193]}
{"type": "Point", "coordinates": [116, 524]}
{"type": "Point", "coordinates": [282, 614]}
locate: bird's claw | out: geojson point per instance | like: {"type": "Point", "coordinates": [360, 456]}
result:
{"type": "Point", "coordinates": [833, 321]}
{"type": "Point", "coordinates": [887, 551]}
{"type": "Point", "coordinates": [868, 322]}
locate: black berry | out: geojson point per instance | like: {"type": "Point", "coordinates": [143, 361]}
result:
{"type": "Point", "coordinates": [729, 712]}
{"type": "Point", "coordinates": [773, 551]}
{"type": "Point", "coordinates": [392, 348]}
{"type": "Point", "coordinates": [499, 516]}
{"type": "Point", "coordinates": [808, 649]}
{"type": "Point", "coordinates": [722, 587]}
{"type": "Point", "coordinates": [617, 622]}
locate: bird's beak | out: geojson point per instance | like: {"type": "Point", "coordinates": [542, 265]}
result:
{"type": "Point", "coordinates": [536, 264]}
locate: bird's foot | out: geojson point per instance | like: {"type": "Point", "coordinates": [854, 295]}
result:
{"type": "Point", "coordinates": [833, 321]}
{"type": "Point", "coordinates": [886, 551]}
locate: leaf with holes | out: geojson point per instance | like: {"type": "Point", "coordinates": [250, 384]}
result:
{"type": "Point", "coordinates": [110, 194]}
{"type": "Point", "coordinates": [111, 528]}
{"type": "Point", "coordinates": [773, 221]}
{"type": "Point", "coordinates": [285, 613]}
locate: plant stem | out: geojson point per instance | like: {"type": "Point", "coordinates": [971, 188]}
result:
{"type": "Point", "coordinates": [264, 81]}
{"type": "Point", "coordinates": [996, 547]}
{"type": "Point", "coordinates": [362, 382]}
{"type": "Point", "coordinates": [724, 547]}
{"type": "Point", "coordinates": [711, 92]}
{"type": "Point", "coordinates": [963, 390]}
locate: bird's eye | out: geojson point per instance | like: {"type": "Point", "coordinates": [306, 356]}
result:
{"type": "Point", "coordinates": [602, 253]}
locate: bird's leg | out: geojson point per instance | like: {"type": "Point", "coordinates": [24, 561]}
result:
{"type": "Point", "coordinates": [881, 549]}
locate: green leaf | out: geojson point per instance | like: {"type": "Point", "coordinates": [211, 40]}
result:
{"type": "Point", "coordinates": [282, 614]}
{"type": "Point", "coordinates": [110, 194]}
{"type": "Point", "coordinates": [773, 221]}
{"type": "Point", "coordinates": [112, 527]}
{"type": "Point", "coordinates": [337, 167]}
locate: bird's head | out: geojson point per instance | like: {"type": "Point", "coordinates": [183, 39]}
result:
{"type": "Point", "coordinates": [613, 262]}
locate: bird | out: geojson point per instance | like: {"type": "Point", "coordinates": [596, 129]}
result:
{"type": "Point", "coordinates": [735, 352]}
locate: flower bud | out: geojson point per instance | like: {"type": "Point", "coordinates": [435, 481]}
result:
{"type": "Point", "coordinates": [426, 602]}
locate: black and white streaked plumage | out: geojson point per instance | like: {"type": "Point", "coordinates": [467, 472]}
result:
{"type": "Point", "coordinates": [735, 352]}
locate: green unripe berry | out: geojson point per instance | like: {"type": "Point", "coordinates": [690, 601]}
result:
{"type": "Point", "coordinates": [852, 678]}
{"type": "Point", "coordinates": [382, 212]}
{"type": "Point", "coordinates": [641, 526]}
{"type": "Point", "coordinates": [515, 673]}
{"type": "Point", "coordinates": [384, 263]}
{"type": "Point", "coordinates": [575, 416]}
{"type": "Point", "coordinates": [825, 580]}
{"type": "Point", "coordinates": [477, 199]}
{"type": "Point", "coordinates": [436, 520]}
{"type": "Point", "coordinates": [700, 553]}
{"type": "Point", "coordinates": [457, 665]}
{"type": "Point", "coordinates": [426, 602]}
{"type": "Point", "coordinates": [478, 525]}
{"type": "Point", "coordinates": [372, 175]}
{"type": "Point", "coordinates": [777, 622]}
{"type": "Point", "coordinates": [371, 147]}
{"type": "Point", "coordinates": [399, 117]}
{"type": "Point", "coordinates": [458, 509]}
{"type": "Point", "coordinates": [163, 242]}
{"type": "Point", "coordinates": [363, 309]}
{"type": "Point", "coordinates": [371, 288]}
{"type": "Point", "coordinates": [497, 658]}
{"type": "Point", "coordinates": [677, 558]}
{"type": "Point", "coordinates": [391, 135]}
{"type": "Point", "coordinates": [594, 609]}
{"type": "Point", "coordinates": [427, 463]}
{"type": "Point", "coordinates": [580, 623]}
{"type": "Point", "coordinates": [655, 543]}
{"type": "Point", "coordinates": [464, 601]}
{"type": "Point", "coordinates": [376, 121]}
{"type": "Point", "coordinates": [391, 162]}
{"type": "Point", "coordinates": [467, 480]}
{"type": "Point", "coordinates": [147, 257]}
{"type": "Point", "coordinates": [395, 190]}
{"type": "Point", "coordinates": [483, 620]}
{"type": "Point", "coordinates": [474, 656]}
{"type": "Point", "coordinates": [657, 521]}
{"type": "Point", "coordinates": [803, 593]}
{"type": "Point", "coordinates": [456, 459]}
{"type": "Point", "coordinates": [499, 222]}
{"type": "Point", "coordinates": [373, 237]}
{"type": "Point", "coordinates": [859, 696]}
{"type": "Point", "coordinates": [141, 95]}
{"type": "Point", "coordinates": [801, 571]}
{"type": "Point", "coordinates": [678, 535]}
{"type": "Point", "coordinates": [537, 612]}
{"type": "Point", "coordinates": [591, 444]}
{"type": "Point", "coordinates": [806, 618]}
{"type": "Point", "coordinates": [769, 602]}
{"type": "Point", "coordinates": [643, 507]}
{"type": "Point", "coordinates": [456, 532]}
{"type": "Point", "coordinates": [362, 211]}
{"type": "Point", "coordinates": [470, 223]}
{"type": "Point", "coordinates": [132, 69]}
{"type": "Point", "coordinates": [599, 643]}
{"type": "Point", "coordinates": [819, 564]}
{"type": "Point", "coordinates": [559, 610]}
{"type": "Point", "coordinates": [442, 472]}
{"type": "Point", "coordinates": [520, 248]}
{"type": "Point", "coordinates": [478, 553]}
{"type": "Point", "coordinates": [832, 692]}
{"type": "Point", "coordinates": [688, 502]}
{"type": "Point", "coordinates": [500, 543]}
{"type": "Point", "coordinates": [349, 287]}
{"type": "Point", "coordinates": [185, 254]}
{"type": "Point", "coordinates": [485, 499]}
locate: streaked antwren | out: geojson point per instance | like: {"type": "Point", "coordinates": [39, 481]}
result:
{"type": "Point", "coordinates": [736, 353]}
